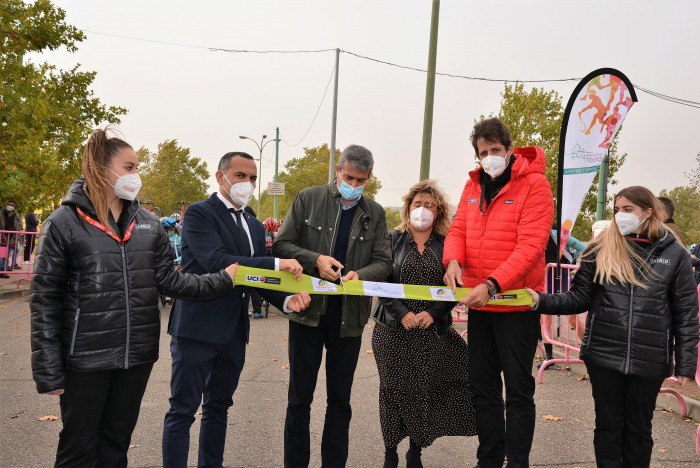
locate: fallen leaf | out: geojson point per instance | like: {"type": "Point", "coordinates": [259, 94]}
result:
{"type": "Point", "coordinates": [200, 413]}
{"type": "Point", "coordinates": [581, 377]}
{"type": "Point", "coordinates": [369, 351]}
{"type": "Point", "coordinates": [133, 446]}
{"type": "Point", "coordinates": [662, 450]}
{"type": "Point", "coordinates": [285, 339]}
{"type": "Point", "coordinates": [49, 417]}
{"type": "Point", "coordinates": [16, 415]}
{"type": "Point", "coordinates": [286, 366]}
{"type": "Point", "coordinates": [549, 417]}
{"type": "Point", "coordinates": [3, 354]}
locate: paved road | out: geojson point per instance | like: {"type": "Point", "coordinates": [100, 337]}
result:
{"type": "Point", "coordinates": [255, 429]}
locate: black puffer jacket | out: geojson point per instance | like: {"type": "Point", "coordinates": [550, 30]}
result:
{"type": "Point", "coordinates": [94, 301]}
{"type": "Point", "coordinates": [389, 312]}
{"type": "Point", "coordinates": [633, 330]}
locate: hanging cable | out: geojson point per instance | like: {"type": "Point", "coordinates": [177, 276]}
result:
{"type": "Point", "coordinates": [315, 115]}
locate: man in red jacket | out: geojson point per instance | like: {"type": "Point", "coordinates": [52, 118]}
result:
{"type": "Point", "coordinates": [496, 243]}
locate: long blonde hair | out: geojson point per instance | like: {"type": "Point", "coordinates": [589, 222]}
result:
{"type": "Point", "coordinates": [99, 151]}
{"type": "Point", "coordinates": [441, 223]}
{"type": "Point", "coordinates": [615, 257]}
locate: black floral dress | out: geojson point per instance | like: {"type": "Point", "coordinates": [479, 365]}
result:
{"type": "Point", "coordinates": [423, 377]}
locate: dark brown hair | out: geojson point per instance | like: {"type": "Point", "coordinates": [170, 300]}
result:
{"type": "Point", "coordinates": [491, 130]}
{"type": "Point", "coordinates": [669, 206]}
{"type": "Point", "coordinates": [99, 151]}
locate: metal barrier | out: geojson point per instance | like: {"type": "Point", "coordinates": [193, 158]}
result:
{"type": "Point", "coordinates": [565, 331]}
{"type": "Point", "coordinates": [17, 254]}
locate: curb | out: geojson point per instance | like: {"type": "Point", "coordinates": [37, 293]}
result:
{"type": "Point", "coordinates": [664, 401]}
{"type": "Point", "coordinates": [15, 292]}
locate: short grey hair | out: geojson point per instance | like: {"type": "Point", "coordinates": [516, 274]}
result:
{"type": "Point", "coordinates": [358, 157]}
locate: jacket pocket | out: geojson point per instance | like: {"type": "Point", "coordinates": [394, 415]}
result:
{"type": "Point", "coordinates": [75, 331]}
{"type": "Point", "coordinates": [590, 332]}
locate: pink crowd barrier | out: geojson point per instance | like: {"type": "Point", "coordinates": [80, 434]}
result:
{"type": "Point", "coordinates": [13, 245]}
{"type": "Point", "coordinates": [562, 331]}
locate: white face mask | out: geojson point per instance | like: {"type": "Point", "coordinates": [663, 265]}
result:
{"type": "Point", "coordinates": [627, 222]}
{"type": "Point", "coordinates": [494, 165]}
{"type": "Point", "coordinates": [240, 192]}
{"type": "Point", "coordinates": [127, 186]}
{"type": "Point", "coordinates": [421, 218]}
{"type": "Point", "coordinates": [10, 208]}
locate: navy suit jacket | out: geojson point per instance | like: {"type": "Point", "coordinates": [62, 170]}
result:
{"type": "Point", "coordinates": [210, 243]}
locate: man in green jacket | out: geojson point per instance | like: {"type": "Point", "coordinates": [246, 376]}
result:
{"type": "Point", "coordinates": [334, 232]}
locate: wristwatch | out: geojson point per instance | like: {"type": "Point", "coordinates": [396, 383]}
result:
{"type": "Point", "coordinates": [492, 287]}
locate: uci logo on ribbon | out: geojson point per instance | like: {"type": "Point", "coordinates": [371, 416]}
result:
{"type": "Point", "coordinates": [262, 279]}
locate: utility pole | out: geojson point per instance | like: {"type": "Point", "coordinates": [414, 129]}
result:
{"type": "Point", "coordinates": [331, 161]}
{"type": "Point", "coordinates": [602, 187]}
{"type": "Point", "coordinates": [429, 94]}
{"type": "Point", "coordinates": [277, 162]}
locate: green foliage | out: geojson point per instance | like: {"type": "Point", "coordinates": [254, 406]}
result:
{"type": "Point", "coordinates": [694, 174]}
{"type": "Point", "coordinates": [305, 171]}
{"type": "Point", "coordinates": [534, 118]}
{"type": "Point", "coordinates": [170, 175]}
{"type": "Point", "coordinates": [393, 217]}
{"type": "Point", "coordinates": [687, 217]}
{"type": "Point", "coordinates": [45, 114]}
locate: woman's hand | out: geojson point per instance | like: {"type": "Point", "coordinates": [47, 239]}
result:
{"type": "Point", "coordinates": [424, 319]}
{"type": "Point", "coordinates": [681, 380]}
{"type": "Point", "coordinates": [231, 270]}
{"type": "Point", "coordinates": [409, 321]}
{"type": "Point", "coordinates": [534, 295]}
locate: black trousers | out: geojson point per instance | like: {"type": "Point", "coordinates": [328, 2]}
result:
{"type": "Point", "coordinates": [29, 243]}
{"type": "Point", "coordinates": [624, 408]}
{"type": "Point", "coordinates": [503, 342]}
{"type": "Point", "coordinates": [99, 412]}
{"type": "Point", "coordinates": [305, 352]}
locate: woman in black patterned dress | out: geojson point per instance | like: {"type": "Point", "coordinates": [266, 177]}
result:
{"type": "Point", "coordinates": [422, 361]}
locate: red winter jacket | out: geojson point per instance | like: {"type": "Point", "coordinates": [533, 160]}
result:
{"type": "Point", "coordinates": [506, 242]}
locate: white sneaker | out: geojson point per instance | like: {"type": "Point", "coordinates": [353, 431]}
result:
{"type": "Point", "coordinates": [27, 262]}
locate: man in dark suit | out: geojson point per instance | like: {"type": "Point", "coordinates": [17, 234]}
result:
{"type": "Point", "coordinates": [209, 338]}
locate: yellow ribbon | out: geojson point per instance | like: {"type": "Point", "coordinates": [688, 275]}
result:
{"type": "Point", "coordinates": [285, 282]}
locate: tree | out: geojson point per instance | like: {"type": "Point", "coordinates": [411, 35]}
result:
{"type": "Point", "coordinates": [305, 171]}
{"type": "Point", "coordinates": [170, 175]}
{"type": "Point", "coordinates": [694, 174]}
{"type": "Point", "coordinates": [393, 217]}
{"type": "Point", "coordinates": [687, 201]}
{"type": "Point", "coordinates": [534, 118]}
{"type": "Point", "coordinates": [46, 114]}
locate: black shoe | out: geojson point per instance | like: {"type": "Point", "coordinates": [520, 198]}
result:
{"type": "Point", "coordinates": [17, 267]}
{"type": "Point", "coordinates": [413, 456]}
{"type": "Point", "coordinates": [548, 358]}
{"type": "Point", "coordinates": [3, 275]}
{"type": "Point", "coordinates": [391, 458]}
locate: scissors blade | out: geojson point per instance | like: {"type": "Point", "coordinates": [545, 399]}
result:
{"type": "Point", "coordinates": [342, 285]}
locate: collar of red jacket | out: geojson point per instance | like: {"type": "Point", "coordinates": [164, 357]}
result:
{"type": "Point", "coordinates": [528, 160]}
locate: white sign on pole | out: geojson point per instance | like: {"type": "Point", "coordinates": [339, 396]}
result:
{"type": "Point", "coordinates": [275, 188]}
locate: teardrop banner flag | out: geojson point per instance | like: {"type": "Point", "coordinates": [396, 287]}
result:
{"type": "Point", "coordinates": [594, 114]}
{"type": "Point", "coordinates": [285, 282]}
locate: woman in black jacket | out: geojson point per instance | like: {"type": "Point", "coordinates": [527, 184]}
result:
{"type": "Point", "coordinates": [636, 283]}
{"type": "Point", "coordinates": [422, 361]}
{"type": "Point", "coordinates": [101, 261]}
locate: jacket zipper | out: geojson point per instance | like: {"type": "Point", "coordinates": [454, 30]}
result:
{"type": "Point", "coordinates": [629, 321]}
{"type": "Point", "coordinates": [483, 217]}
{"type": "Point", "coordinates": [128, 306]}
{"type": "Point", "coordinates": [75, 331]}
{"type": "Point", "coordinates": [333, 239]}
{"type": "Point", "coordinates": [668, 340]}
{"type": "Point", "coordinates": [629, 330]}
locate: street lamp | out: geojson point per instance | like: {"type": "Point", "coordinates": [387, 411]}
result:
{"type": "Point", "coordinates": [260, 146]}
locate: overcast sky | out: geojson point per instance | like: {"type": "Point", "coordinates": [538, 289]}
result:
{"type": "Point", "coordinates": [206, 99]}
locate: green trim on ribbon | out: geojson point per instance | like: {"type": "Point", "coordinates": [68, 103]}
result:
{"type": "Point", "coordinates": [285, 282]}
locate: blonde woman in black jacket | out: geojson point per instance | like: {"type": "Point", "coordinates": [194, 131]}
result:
{"type": "Point", "coordinates": [637, 285]}
{"type": "Point", "coordinates": [101, 261]}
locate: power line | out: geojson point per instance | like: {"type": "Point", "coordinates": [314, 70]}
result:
{"type": "Point", "coordinates": [317, 111]}
{"type": "Point", "coordinates": [665, 97]}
